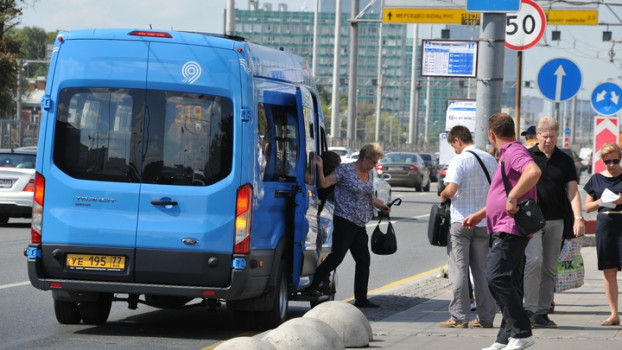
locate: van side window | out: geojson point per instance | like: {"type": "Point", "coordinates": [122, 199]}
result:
{"type": "Point", "coordinates": [265, 158]}
{"type": "Point", "coordinates": [286, 140]}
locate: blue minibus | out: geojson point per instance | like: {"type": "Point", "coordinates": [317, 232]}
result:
{"type": "Point", "coordinates": [176, 169]}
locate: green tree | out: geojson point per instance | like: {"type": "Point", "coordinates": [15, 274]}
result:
{"type": "Point", "coordinates": [10, 12]}
{"type": "Point", "coordinates": [33, 42]}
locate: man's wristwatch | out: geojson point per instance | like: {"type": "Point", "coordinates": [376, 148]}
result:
{"type": "Point", "coordinates": [579, 218]}
{"type": "Point", "coordinates": [510, 199]}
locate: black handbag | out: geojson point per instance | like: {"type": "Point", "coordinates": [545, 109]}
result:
{"type": "Point", "coordinates": [529, 217]}
{"type": "Point", "coordinates": [385, 243]}
{"type": "Point", "coordinates": [438, 226]}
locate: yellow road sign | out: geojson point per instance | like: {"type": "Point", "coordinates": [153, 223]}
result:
{"type": "Point", "coordinates": [461, 16]}
{"type": "Point", "coordinates": [571, 17]}
{"type": "Point", "coordinates": [430, 15]}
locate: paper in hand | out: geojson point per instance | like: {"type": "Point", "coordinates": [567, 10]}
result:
{"type": "Point", "coordinates": [607, 198]}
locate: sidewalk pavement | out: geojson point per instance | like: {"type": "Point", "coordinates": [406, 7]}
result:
{"type": "Point", "coordinates": [578, 313]}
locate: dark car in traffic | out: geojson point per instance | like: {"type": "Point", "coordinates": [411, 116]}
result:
{"type": "Point", "coordinates": [430, 162]}
{"type": "Point", "coordinates": [406, 169]}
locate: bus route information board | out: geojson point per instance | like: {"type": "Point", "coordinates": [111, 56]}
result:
{"type": "Point", "coordinates": [449, 58]}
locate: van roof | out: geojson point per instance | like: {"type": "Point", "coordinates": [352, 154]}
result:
{"type": "Point", "coordinates": [264, 61]}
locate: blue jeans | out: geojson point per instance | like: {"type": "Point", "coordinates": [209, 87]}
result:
{"type": "Point", "coordinates": [505, 280]}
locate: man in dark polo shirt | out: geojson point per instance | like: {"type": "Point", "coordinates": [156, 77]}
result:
{"type": "Point", "coordinates": [557, 185]}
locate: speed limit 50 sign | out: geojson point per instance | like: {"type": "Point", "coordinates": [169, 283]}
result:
{"type": "Point", "coordinates": [526, 27]}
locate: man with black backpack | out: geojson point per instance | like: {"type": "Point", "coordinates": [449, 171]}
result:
{"type": "Point", "coordinates": [467, 182]}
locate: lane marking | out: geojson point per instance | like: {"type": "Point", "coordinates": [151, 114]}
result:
{"type": "Point", "coordinates": [11, 285]}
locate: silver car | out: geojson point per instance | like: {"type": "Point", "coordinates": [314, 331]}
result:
{"type": "Point", "coordinates": [406, 169]}
{"type": "Point", "coordinates": [17, 183]}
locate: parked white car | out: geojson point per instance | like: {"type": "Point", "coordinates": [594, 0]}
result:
{"type": "Point", "coordinates": [17, 182]}
{"type": "Point", "coordinates": [343, 152]}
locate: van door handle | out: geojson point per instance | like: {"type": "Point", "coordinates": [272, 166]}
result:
{"type": "Point", "coordinates": [163, 202]}
{"type": "Point", "coordinates": [283, 194]}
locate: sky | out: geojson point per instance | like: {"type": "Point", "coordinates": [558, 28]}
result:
{"type": "Point", "coordinates": [581, 44]}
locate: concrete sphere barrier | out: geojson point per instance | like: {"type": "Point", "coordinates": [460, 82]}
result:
{"type": "Point", "coordinates": [347, 320]}
{"type": "Point", "coordinates": [308, 334]}
{"type": "Point", "coordinates": [246, 343]}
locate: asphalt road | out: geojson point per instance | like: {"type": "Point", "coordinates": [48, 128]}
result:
{"type": "Point", "coordinates": [27, 319]}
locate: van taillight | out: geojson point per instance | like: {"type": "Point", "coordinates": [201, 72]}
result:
{"type": "Point", "coordinates": [243, 216]}
{"type": "Point", "coordinates": [151, 34]}
{"type": "Point", "coordinates": [37, 208]}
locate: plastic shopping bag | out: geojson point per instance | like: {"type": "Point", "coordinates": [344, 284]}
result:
{"type": "Point", "coordinates": [570, 269]}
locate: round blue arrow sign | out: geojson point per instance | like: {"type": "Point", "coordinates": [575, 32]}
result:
{"type": "Point", "coordinates": [559, 79]}
{"type": "Point", "coordinates": [607, 99]}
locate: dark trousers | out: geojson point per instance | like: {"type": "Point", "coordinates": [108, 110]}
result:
{"type": "Point", "coordinates": [347, 236]}
{"type": "Point", "coordinates": [505, 280]}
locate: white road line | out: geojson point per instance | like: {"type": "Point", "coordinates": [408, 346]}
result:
{"type": "Point", "coordinates": [11, 285]}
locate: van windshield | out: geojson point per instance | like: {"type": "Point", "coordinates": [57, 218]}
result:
{"type": "Point", "coordinates": [158, 137]}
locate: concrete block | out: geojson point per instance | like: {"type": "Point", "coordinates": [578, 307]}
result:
{"type": "Point", "coordinates": [347, 320]}
{"type": "Point", "coordinates": [246, 343]}
{"type": "Point", "coordinates": [304, 333]}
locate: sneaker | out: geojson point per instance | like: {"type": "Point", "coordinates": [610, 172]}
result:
{"type": "Point", "coordinates": [495, 346]}
{"type": "Point", "coordinates": [478, 324]}
{"type": "Point", "coordinates": [543, 321]}
{"type": "Point", "coordinates": [519, 343]}
{"type": "Point", "coordinates": [453, 323]}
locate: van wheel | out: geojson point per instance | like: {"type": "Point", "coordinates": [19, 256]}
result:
{"type": "Point", "coordinates": [67, 312]}
{"type": "Point", "coordinates": [96, 312]}
{"type": "Point", "coordinates": [280, 296]}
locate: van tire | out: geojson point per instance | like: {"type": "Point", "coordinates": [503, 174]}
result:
{"type": "Point", "coordinates": [280, 301]}
{"type": "Point", "coordinates": [96, 312]}
{"type": "Point", "coordinates": [67, 312]}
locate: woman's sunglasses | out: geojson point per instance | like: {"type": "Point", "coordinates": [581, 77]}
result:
{"type": "Point", "coordinates": [609, 161]}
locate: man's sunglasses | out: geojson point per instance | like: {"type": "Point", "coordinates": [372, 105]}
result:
{"type": "Point", "coordinates": [609, 161]}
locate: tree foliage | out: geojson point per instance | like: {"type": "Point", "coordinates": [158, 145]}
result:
{"type": "Point", "coordinates": [10, 12]}
{"type": "Point", "coordinates": [33, 45]}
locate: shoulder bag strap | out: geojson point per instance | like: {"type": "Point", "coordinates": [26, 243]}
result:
{"type": "Point", "coordinates": [506, 183]}
{"type": "Point", "coordinates": [482, 164]}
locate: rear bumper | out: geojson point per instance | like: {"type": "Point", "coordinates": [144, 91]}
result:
{"type": "Point", "coordinates": [16, 210]}
{"type": "Point", "coordinates": [246, 283]}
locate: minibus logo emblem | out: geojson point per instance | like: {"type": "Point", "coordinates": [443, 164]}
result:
{"type": "Point", "coordinates": [191, 72]}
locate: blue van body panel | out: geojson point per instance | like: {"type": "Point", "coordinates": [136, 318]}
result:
{"type": "Point", "coordinates": [90, 62]}
{"type": "Point", "coordinates": [178, 238]}
{"type": "Point", "coordinates": [77, 206]}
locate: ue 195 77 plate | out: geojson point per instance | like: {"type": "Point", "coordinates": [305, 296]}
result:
{"type": "Point", "coordinates": [95, 262]}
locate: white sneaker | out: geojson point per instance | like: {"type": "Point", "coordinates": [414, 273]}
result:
{"type": "Point", "coordinates": [520, 343]}
{"type": "Point", "coordinates": [495, 346]}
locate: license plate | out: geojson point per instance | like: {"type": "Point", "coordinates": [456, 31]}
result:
{"type": "Point", "coordinates": [6, 183]}
{"type": "Point", "coordinates": [95, 262]}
